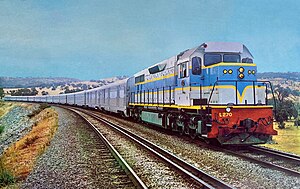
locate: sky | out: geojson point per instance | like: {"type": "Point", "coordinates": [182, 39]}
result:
{"type": "Point", "coordinates": [94, 39]}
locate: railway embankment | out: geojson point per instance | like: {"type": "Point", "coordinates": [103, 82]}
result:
{"type": "Point", "coordinates": [26, 131]}
{"type": "Point", "coordinates": [15, 122]}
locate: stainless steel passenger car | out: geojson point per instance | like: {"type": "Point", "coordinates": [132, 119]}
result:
{"type": "Point", "coordinates": [111, 97]}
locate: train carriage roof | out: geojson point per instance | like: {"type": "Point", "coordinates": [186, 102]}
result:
{"type": "Point", "coordinates": [217, 47]}
{"type": "Point", "coordinates": [223, 47]}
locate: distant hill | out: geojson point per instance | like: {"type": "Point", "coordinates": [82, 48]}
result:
{"type": "Point", "coordinates": [294, 76]}
{"type": "Point", "coordinates": [28, 82]}
{"type": "Point", "coordinates": [45, 82]}
{"type": "Point", "coordinates": [50, 86]}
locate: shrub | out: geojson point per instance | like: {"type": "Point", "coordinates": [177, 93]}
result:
{"type": "Point", "coordinates": [1, 129]}
{"type": "Point", "coordinates": [6, 177]}
{"type": "Point", "coordinates": [30, 140]}
{"type": "Point", "coordinates": [37, 111]}
{"type": "Point", "coordinates": [44, 106]}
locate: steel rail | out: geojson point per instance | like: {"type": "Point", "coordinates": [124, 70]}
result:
{"type": "Point", "coordinates": [276, 153]}
{"type": "Point", "coordinates": [262, 163]}
{"type": "Point", "coordinates": [190, 171]}
{"type": "Point", "coordinates": [129, 171]}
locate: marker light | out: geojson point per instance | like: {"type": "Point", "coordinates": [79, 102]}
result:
{"type": "Point", "coordinates": [241, 69]}
{"type": "Point", "coordinates": [228, 109]}
{"type": "Point", "coordinates": [224, 71]}
{"type": "Point", "coordinates": [249, 71]}
{"type": "Point", "coordinates": [253, 71]}
{"type": "Point", "coordinates": [230, 71]}
{"type": "Point", "coordinates": [241, 76]}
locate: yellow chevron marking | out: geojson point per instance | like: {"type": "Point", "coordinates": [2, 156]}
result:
{"type": "Point", "coordinates": [240, 97]}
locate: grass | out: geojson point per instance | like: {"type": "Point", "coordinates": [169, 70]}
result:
{"type": "Point", "coordinates": [5, 107]}
{"type": "Point", "coordinates": [6, 178]}
{"type": "Point", "coordinates": [1, 129]}
{"type": "Point", "coordinates": [287, 140]}
{"type": "Point", "coordinates": [20, 157]}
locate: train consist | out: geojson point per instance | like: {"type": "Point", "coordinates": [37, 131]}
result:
{"type": "Point", "coordinates": [210, 91]}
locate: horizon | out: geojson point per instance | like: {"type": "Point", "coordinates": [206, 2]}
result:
{"type": "Point", "coordinates": [53, 77]}
{"type": "Point", "coordinates": [95, 39]}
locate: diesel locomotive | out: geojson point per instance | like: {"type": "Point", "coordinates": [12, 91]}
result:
{"type": "Point", "coordinates": [210, 91]}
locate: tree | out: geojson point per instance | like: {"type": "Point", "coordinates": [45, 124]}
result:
{"type": "Point", "coordinates": [1, 93]}
{"type": "Point", "coordinates": [24, 92]}
{"type": "Point", "coordinates": [285, 107]}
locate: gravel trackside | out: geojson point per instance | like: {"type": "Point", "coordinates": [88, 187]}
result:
{"type": "Point", "coordinates": [71, 159]}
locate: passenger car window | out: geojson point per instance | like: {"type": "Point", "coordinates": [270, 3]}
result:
{"type": "Point", "coordinates": [140, 78]}
{"type": "Point", "coordinates": [231, 58]}
{"type": "Point", "coordinates": [196, 65]}
{"type": "Point", "coordinates": [183, 70]}
{"type": "Point", "coordinates": [211, 58]}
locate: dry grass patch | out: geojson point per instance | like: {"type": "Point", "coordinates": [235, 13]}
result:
{"type": "Point", "coordinates": [5, 107]}
{"type": "Point", "coordinates": [20, 158]}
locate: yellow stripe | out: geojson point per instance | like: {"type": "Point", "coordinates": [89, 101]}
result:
{"type": "Point", "coordinates": [203, 67]}
{"type": "Point", "coordinates": [227, 64]}
{"type": "Point", "coordinates": [150, 92]}
{"type": "Point", "coordinates": [156, 79]}
{"type": "Point", "coordinates": [240, 97]}
{"type": "Point", "coordinates": [169, 106]}
{"type": "Point", "coordinates": [203, 107]}
{"type": "Point", "coordinates": [241, 107]}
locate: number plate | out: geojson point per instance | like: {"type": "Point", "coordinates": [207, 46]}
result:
{"type": "Point", "coordinates": [225, 114]}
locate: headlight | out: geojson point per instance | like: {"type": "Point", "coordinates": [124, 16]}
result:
{"type": "Point", "coordinates": [241, 69]}
{"type": "Point", "coordinates": [230, 71]}
{"type": "Point", "coordinates": [249, 71]}
{"type": "Point", "coordinates": [228, 109]}
{"type": "Point", "coordinates": [253, 71]}
{"type": "Point", "coordinates": [224, 71]}
{"type": "Point", "coordinates": [241, 76]}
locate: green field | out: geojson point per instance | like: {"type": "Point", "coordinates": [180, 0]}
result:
{"type": "Point", "coordinates": [287, 140]}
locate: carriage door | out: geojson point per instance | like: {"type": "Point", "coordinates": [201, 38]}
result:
{"type": "Point", "coordinates": [182, 94]}
{"type": "Point", "coordinates": [197, 82]}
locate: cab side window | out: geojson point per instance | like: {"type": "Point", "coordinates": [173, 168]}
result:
{"type": "Point", "coordinates": [212, 58]}
{"type": "Point", "coordinates": [183, 70]}
{"type": "Point", "coordinates": [247, 60]}
{"type": "Point", "coordinates": [196, 65]}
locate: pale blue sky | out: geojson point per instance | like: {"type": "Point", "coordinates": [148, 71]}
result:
{"type": "Point", "coordinates": [93, 39]}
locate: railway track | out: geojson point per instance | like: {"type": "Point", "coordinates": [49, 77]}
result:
{"type": "Point", "coordinates": [277, 154]}
{"type": "Point", "coordinates": [281, 161]}
{"type": "Point", "coordinates": [199, 177]}
{"type": "Point", "coordinates": [276, 160]}
{"type": "Point", "coordinates": [272, 159]}
{"type": "Point", "coordinates": [124, 179]}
